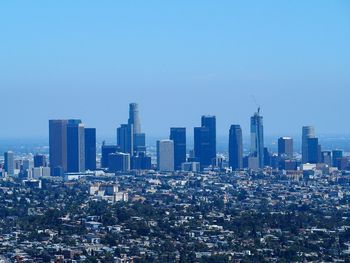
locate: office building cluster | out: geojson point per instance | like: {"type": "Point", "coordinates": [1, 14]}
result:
{"type": "Point", "coordinates": [129, 153]}
{"type": "Point", "coordinates": [72, 147]}
{"type": "Point", "coordinates": [120, 202]}
{"type": "Point", "coordinates": [72, 150]}
{"type": "Point", "coordinates": [24, 168]}
{"type": "Point", "coordinates": [285, 159]}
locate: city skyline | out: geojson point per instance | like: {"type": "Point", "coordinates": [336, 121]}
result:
{"type": "Point", "coordinates": [155, 134]}
{"type": "Point", "coordinates": [293, 59]}
{"type": "Point", "coordinates": [221, 140]}
{"type": "Point", "coordinates": [72, 147]}
{"type": "Point", "coordinates": [174, 131]}
{"type": "Point", "coordinates": [125, 140]}
{"type": "Point", "coordinates": [111, 135]}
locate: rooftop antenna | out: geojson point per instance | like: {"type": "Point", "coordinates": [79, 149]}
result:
{"type": "Point", "coordinates": [256, 104]}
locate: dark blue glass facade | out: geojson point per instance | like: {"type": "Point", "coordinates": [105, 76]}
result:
{"type": "Point", "coordinates": [313, 150]}
{"type": "Point", "coordinates": [178, 136]}
{"type": "Point", "coordinates": [209, 122]}
{"type": "Point", "coordinates": [90, 149]}
{"type": "Point", "coordinates": [202, 146]}
{"type": "Point", "coordinates": [106, 150]}
{"type": "Point", "coordinates": [40, 160]}
{"type": "Point", "coordinates": [235, 147]}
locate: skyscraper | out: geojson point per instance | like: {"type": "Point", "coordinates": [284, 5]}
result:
{"type": "Point", "coordinates": [235, 147]}
{"type": "Point", "coordinates": [58, 146]}
{"type": "Point", "coordinates": [134, 117]}
{"type": "Point", "coordinates": [139, 138]}
{"type": "Point", "coordinates": [75, 146]}
{"type": "Point", "coordinates": [40, 160]}
{"type": "Point", "coordinates": [165, 155]}
{"type": "Point", "coordinates": [336, 155]}
{"type": "Point", "coordinates": [313, 150]}
{"type": "Point", "coordinates": [125, 138]}
{"type": "Point", "coordinates": [285, 147]}
{"type": "Point", "coordinates": [141, 162]}
{"type": "Point", "coordinates": [205, 141]}
{"type": "Point", "coordinates": [307, 132]}
{"type": "Point", "coordinates": [267, 157]}
{"type": "Point", "coordinates": [90, 149]}
{"type": "Point", "coordinates": [257, 138]}
{"type": "Point", "coordinates": [210, 123]}
{"type": "Point", "coordinates": [139, 142]}
{"type": "Point", "coordinates": [118, 162]}
{"type": "Point", "coordinates": [178, 136]}
{"type": "Point", "coordinates": [105, 151]}
{"type": "Point", "coordinates": [202, 146]}
{"type": "Point", "coordinates": [9, 163]}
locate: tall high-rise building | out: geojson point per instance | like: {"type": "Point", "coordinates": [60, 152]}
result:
{"type": "Point", "coordinates": [178, 136]}
{"type": "Point", "coordinates": [342, 163]}
{"type": "Point", "coordinates": [105, 151]}
{"type": "Point", "coordinates": [307, 132]}
{"type": "Point", "coordinates": [139, 142]}
{"type": "Point", "coordinates": [285, 147]}
{"type": "Point", "coordinates": [141, 162]}
{"type": "Point", "coordinates": [165, 155]}
{"type": "Point", "coordinates": [313, 151]}
{"type": "Point", "coordinates": [139, 138]}
{"type": "Point", "coordinates": [90, 149]}
{"type": "Point", "coordinates": [58, 146]}
{"type": "Point", "coordinates": [257, 138]}
{"type": "Point", "coordinates": [205, 141]}
{"type": "Point", "coordinates": [336, 155]}
{"type": "Point", "coordinates": [267, 157]}
{"type": "Point", "coordinates": [40, 160]}
{"type": "Point", "coordinates": [75, 146]}
{"type": "Point", "coordinates": [202, 146]}
{"type": "Point", "coordinates": [209, 122]}
{"type": "Point", "coordinates": [9, 163]}
{"type": "Point", "coordinates": [235, 147]}
{"type": "Point", "coordinates": [125, 138]}
{"type": "Point", "coordinates": [134, 117]}
{"type": "Point", "coordinates": [118, 162]}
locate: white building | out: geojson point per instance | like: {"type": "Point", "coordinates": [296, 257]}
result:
{"type": "Point", "coordinates": [165, 155]}
{"type": "Point", "coordinates": [38, 172]}
{"type": "Point", "coordinates": [109, 192]}
{"type": "Point", "coordinates": [46, 171]}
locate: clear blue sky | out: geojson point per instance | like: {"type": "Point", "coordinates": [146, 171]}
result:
{"type": "Point", "coordinates": [178, 60]}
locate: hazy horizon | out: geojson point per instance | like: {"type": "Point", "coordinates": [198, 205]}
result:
{"type": "Point", "coordinates": [328, 142]}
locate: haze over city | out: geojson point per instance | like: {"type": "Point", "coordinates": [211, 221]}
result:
{"type": "Point", "coordinates": [178, 60]}
{"type": "Point", "coordinates": [174, 131]}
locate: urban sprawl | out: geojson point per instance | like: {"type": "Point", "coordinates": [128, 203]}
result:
{"type": "Point", "coordinates": [124, 203]}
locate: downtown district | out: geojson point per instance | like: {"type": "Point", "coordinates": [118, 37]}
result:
{"type": "Point", "coordinates": [189, 206]}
